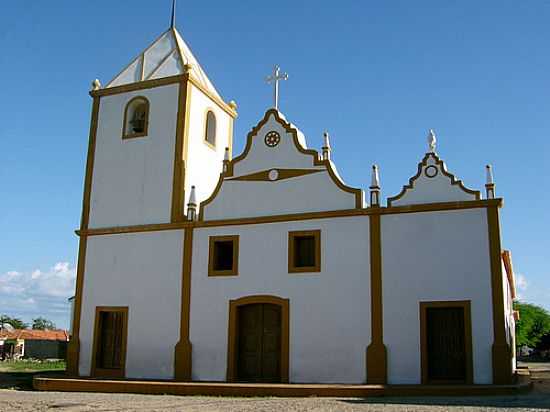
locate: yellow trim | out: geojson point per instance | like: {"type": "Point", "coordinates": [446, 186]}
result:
{"type": "Point", "coordinates": [131, 135]}
{"type": "Point", "coordinates": [465, 304]}
{"type": "Point", "coordinates": [441, 164]}
{"type": "Point", "coordinates": [509, 268]}
{"type": "Point", "coordinates": [180, 155]}
{"type": "Point", "coordinates": [294, 390]}
{"type": "Point", "coordinates": [376, 352]}
{"type": "Point", "coordinates": [224, 106]}
{"type": "Point", "coordinates": [187, 122]}
{"type": "Point", "coordinates": [304, 269]}
{"type": "Point", "coordinates": [73, 349]}
{"type": "Point", "coordinates": [143, 85]}
{"type": "Point", "coordinates": [234, 271]}
{"type": "Point", "coordinates": [502, 353]}
{"type": "Point", "coordinates": [428, 207]}
{"type": "Point", "coordinates": [232, 332]}
{"type": "Point", "coordinates": [183, 350]}
{"type": "Point", "coordinates": [148, 84]}
{"type": "Point", "coordinates": [263, 176]}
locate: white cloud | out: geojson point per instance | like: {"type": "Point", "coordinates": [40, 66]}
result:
{"type": "Point", "coordinates": [38, 293]}
{"type": "Point", "coordinates": [521, 282]}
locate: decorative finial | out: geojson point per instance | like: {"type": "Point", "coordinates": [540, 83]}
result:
{"type": "Point", "coordinates": [375, 187]}
{"type": "Point", "coordinates": [173, 19]}
{"type": "Point", "coordinates": [226, 160]}
{"type": "Point", "coordinates": [375, 178]}
{"type": "Point", "coordinates": [431, 141]}
{"type": "Point", "coordinates": [326, 146]}
{"type": "Point", "coordinates": [274, 78]}
{"type": "Point", "coordinates": [192, 205]}
{"type": "Point", "coordinates": [489, 172]}
{"type": "Point", "coordinates": [96, 85]}
{"type": "Point", "coordinates": [233, 104]}
{"type": "Point", "coordinates": [490, 184]}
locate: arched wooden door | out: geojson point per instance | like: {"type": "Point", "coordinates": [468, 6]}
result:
{"type": "Point", "coordinates": [258, 339]}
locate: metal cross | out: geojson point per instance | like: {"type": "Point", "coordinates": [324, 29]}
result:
{"type": "Point", "coordinates": [275, 78]}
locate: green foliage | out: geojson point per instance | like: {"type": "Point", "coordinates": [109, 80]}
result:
{"type": "Point", "coordinates": [31, 365]}
{"type": "Point", "coordinates": [42, 324]}
{"type": "Point", "coordinates": [15, 322]}
{"type": "Point", "coordinates": [533, 324]}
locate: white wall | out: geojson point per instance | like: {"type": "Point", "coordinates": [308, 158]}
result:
{"type": "Point", "coordinates": [329, 311]}
{"type": "Point", "coordinates": [306, 193]}
{"type": "Point", "coordinates": [204, 163]}
{"type": "Point", "coordinates": [433, 189]}
{"type": "Point", "coordinates": [284, 155]}
{"type": "Point", "coordinates": [142, 271]}
{"type": "Point", "coordinates": [132, 178]}
{"type": "Point", "coordinates": [310, 193]}
{"type": "Point", "coordinates": [434, 256]}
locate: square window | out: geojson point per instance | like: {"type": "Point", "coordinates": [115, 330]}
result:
{"type": "Point", "coordinates": [304, 251]}
{"type": "Point", "coordinates": [223, 256]}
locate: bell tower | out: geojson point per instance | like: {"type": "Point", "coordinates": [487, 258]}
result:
{"type": "Point", "coordinates": [158, 128]}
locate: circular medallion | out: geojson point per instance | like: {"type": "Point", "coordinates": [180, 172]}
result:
{"type": "Point", "coordinates": [431, 171]}
{"type": "Point", "coordinates": [272, 139]}
{"type": "Point", "coordinates": [273, 174]}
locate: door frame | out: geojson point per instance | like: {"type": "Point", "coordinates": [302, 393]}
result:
{"type": "Point", "coordinates": [109, 373]}
{"type": "Point", "coordinates": [464, 304]}
{"type": "Point", "coordinates": [233, 330]}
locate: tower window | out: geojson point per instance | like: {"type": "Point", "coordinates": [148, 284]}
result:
{"type": "Point", "coordinates": [210, 128]}
{"type": "Point", "coordinates": [304, 251]}
{"type": "Point", "coordinates": [223, 256]}
{"type": "Point", "coordinates": [136, 118]}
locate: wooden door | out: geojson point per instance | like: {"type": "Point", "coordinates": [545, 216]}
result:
{"type": "Point", "coordinates": [110, 342]}
{"type": "Point", "coordinates": [259, 343]}
{"type": "Point", "coordinates": [446, 344]}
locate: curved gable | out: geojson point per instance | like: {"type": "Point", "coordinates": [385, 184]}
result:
{"type": "Point", "coordinates": [431, 184]}
{"type": "Point", "coordinates": [276, 174]}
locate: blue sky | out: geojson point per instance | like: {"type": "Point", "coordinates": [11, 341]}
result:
{"type": "Point", "coordinates": [376, 75]}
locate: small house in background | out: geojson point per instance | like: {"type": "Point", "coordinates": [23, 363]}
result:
{"type": "Point", "coordinates": [33, 344]}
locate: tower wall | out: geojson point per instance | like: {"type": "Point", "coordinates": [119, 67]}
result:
{"type": "Point", "coordinates": [204, 162]}
{"type": "Point", "coordinates": [132, 178]}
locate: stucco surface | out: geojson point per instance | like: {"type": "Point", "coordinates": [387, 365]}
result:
{"type": "Point", "coordinates": [132, 178]}
{"type": "Point", "coordinates": [307, 193]}
{"type": "Point", "coordinates": [204, 163]}
{"type": "Point", "coordinates": [329, 311]}
{"type": "Point", "coordinates": [434, 256]}
{"type": "Point", "coordinates": [141, 271]}
{"type": "Point", "coordinates": [433, 186]}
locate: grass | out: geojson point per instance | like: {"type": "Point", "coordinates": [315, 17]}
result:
{"type": "Point", "coordinates": [32, 365]}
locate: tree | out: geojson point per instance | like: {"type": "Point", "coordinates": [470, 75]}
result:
{"type": "Point", "coordinates": [42, 324]}
{"type": "Point", "coordinates": [16, 323]}
{"type": "Point", "coordinates": [533, 324]}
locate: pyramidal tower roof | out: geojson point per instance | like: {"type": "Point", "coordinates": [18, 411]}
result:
{"type": "Point", "coordinates": [166, 57]}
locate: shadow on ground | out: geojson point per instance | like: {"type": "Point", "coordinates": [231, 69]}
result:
{"type": "Point", "coordinates": [538, 397]}
{"type": "Point", "coordinates": [22, 381]}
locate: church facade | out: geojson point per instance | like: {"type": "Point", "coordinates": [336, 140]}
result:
{"type": "Point", "coordinates": [195, 265]}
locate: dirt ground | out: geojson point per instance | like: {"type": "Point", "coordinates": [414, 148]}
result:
{"type": "Point", "coordinates": [26, 400]}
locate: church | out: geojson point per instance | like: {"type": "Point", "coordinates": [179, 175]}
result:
{"type": "Point", "coordinates": [197, 264]}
